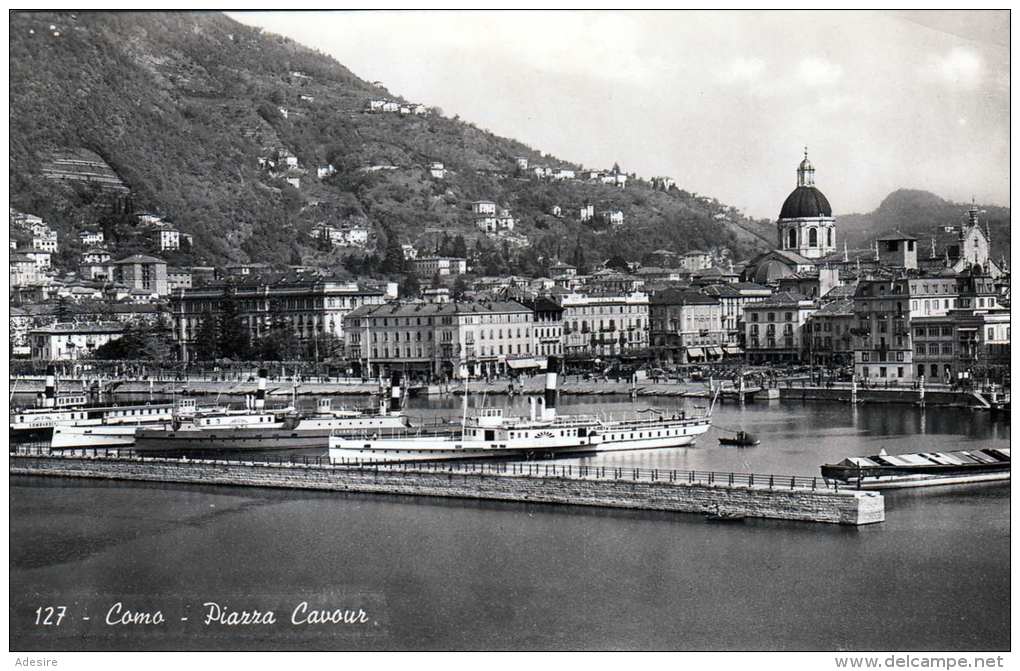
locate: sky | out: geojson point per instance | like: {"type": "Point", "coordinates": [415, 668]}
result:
{"type": "Point", "coordinates": [722, 101]}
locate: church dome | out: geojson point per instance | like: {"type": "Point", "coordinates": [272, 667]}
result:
{"type": "Point", "coordinates": [771, 271]}
{"type": "Point", "coordinates": [805, 202]}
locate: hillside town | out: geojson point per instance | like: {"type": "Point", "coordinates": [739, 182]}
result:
{"type": "Point", "coordinates": [902, 310]}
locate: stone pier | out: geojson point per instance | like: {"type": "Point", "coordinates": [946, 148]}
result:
{"type": "Point", "coordinates": [774, 497]}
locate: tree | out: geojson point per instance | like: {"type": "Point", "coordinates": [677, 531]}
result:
{"type": "Point", "coordinates": [158, 343]}
{"type": "Point", "coordinates": [459, 288]}
{"type": "Point", "coordinates": [393, 258]}
{"type": "Point", "coordinates": [410, 287]}
{"type": "Point", "coordinates": [437, 280]}
{"type": "Point", "coordinates": [617, 262]}
{"type": "Point", "coordinates": [233, 339]}
{"type": "Point", "coordinates": [207, 338]}
{"type": "Point", "coordinates": [577, 259]}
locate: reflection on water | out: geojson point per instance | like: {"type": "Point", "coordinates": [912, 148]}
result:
{"type": "Point", "coordinates": [447, 574]}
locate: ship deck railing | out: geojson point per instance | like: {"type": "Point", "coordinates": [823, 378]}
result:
{"type": "Point", "coordinates": [538, 469]}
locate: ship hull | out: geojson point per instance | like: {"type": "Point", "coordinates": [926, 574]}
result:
{"type": "Point", "coordinates": [666, 435]}
{"type": "Point", "coordinates": [308, 434]}
{"type": "Point", "coordinates": [921, 470]}
{"type": "Point", "coordinates": [73, 437]}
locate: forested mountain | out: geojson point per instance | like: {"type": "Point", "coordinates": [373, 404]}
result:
{"type": "Point", "coordinates": [922, 214]}
{"type": "Point", "coordinates": [182, 106]}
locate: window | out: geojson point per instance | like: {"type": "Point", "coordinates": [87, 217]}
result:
{"type": "Point", "coordinates": [813, 237]}
{"type": "Point", "coordinates": [865, 357]}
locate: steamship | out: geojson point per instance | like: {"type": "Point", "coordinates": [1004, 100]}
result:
{"type": "Point", "coordinates": [59, 411]}
{"type": "Point", "coordinates": [543, 434]}
{"type": "Point", "coordinates": [264, 430]}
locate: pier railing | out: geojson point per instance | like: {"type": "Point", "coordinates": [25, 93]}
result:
{"type": "Point", "coordinates": [504, 468]}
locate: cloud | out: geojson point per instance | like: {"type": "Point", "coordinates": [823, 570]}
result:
{"type": "Point", "coordinates": [818, 72]}
{"type": "Point", "coordinates": [744, 69]}
{"type": "Point", "coordinates": [960, 67]}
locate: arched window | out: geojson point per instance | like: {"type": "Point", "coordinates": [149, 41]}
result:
{"type": "Point", "coordinates": [792, 238]}
{"type": "Point", "coordinates": [813, 237]}
{"type": "Point", "coordinates": [828, 241]}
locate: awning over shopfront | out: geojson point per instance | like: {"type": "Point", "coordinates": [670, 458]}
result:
{"type": "Point", "coordinates": [732, 349]}
{"type": "Point", "coordinates": [525, 362]}
{"type": "Point", "coordinates": [714, 351]}
{"type": "Point", "coordinates": [695, 353]}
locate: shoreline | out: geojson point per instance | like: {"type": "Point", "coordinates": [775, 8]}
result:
{"type": "Point", "coordinates": [535, 385]}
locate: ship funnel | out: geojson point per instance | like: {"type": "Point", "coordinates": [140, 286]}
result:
{"type": "Point", "coordinates": [260, 393]}
{"type": "Point", "coordinates": [395, 393]}
{"type": "Point", "coordinates": [551, 374]}
{"type": "Point", "coordinates": [50, 393]}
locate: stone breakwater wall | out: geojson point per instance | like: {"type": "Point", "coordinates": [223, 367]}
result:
{"type": "Point", "coordinates": [844, 506]}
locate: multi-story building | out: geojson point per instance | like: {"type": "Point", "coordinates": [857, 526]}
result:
{"type": "Point", "coordinates": [45, 243]}
{"type": "Point", "coordinates": [604, 324]}
{"type": "Point", "coordinates": [732, 299]}
{"type": "Point", "coordinates": [309, 308]}
{"type": "Point", "coordinates": [24, 270]}
{"type": "Point", "coordinates": [548, 321]}
{"type": "Point", "coordinates": [774, 328]}
{"type": "Point", "coordinates": [142, 272]}
{"type": "Point", "coordinates": [696, 260]}
{"type": "Point", "coordinates": [91, 238]}
{"type": "Point", "coordinates": [429, 266]}
{"type": "Point", "coordinates": [178, 278]}
{"type": "Point", "coordinates": [438, 340]}
{"type": "Point", "coordinates": [971, 340]}
{"type": "Point", "coordinates": [483, 207]}
{"type": "Point", "coordinates": [686, 326]}
{"type": "Point", "coordinates": [168, 238]}
{"type": "Point", "coordinates": [40, 258]}
{"type": "Point", "coordinates": [828, 341]}
{"type": "Point", "coordinates": [72, 341]}
{"type": "Point", "coordinates": [884, 309]}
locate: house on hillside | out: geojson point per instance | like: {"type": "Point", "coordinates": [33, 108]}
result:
{"type": "Point", "coordinates": [91, 238]}
{"type": "Point", "coordinates": [483, 207]}
{"type": "Point", "coordinates": [437, 170]}
{"type": "Point", "coordinates": [612, 217]}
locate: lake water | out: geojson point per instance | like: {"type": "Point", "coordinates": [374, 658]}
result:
{"type": "Point", "coordinates": [446, 574]}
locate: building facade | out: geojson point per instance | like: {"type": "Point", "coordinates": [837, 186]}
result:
{"type": "Point", "coordinates": [309, 308]}
{"type": "Point", "coordinates": [604, 324]}
{"type": "Point", "coordinates": [774, 328]}
{"type": "Point", "coordinates": [142, 272]}
{"type": "Point", "coordinates": [72, 341]}
{"type": "Point", "coordinates": [686, 326]}
{"type": "Point", "coordinates": [449, 340]}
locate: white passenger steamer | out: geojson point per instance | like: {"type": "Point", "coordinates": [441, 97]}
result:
{"type": "Point", "coordinates": [262, 430]}
{"type": "Point", "coordinates": [543, 434]}
{"type": "Point", "coordinates": [66, 410]}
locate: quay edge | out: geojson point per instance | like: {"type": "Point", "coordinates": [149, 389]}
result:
{"type": "Point", "coordinates": [845, 506]}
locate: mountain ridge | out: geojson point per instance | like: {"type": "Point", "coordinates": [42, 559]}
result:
{"type": "Point", "coordinates": [183, 105]}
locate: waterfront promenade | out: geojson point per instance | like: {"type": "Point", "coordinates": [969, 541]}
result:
{"type": "Point", "coordinates": [569, 385]}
